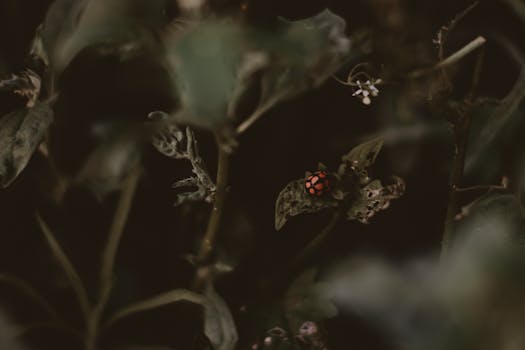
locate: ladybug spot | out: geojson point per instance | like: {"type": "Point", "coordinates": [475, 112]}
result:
{"type": "Point", "coordinates": [319, 186]}
{"type": "Point", "coordinates": [315, 179]}
{"type": "Point", "coordinates": [312, 191]}
{"type": "Point", "coordinates": [308, 185]}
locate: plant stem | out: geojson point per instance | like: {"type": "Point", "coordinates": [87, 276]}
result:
{"type": "Point", "coordinates": [314, 244]}
{"type": "Point", "coordinates": [108, 259]}
{"type": "Point", "coordinates": [461, 132]}
{"type": "Point", "coordinates": [214, 222]}
{"type": "Point", "coordinates": [452, 59]}
{"type": "Point", "coordinates": [461, 136]}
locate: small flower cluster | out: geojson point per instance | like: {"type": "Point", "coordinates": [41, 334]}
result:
{"type": "Point", "coordinates": [367, 90]}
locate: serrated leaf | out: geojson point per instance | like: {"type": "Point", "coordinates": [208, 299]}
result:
{"type": "Point", "coordinates": [293, 200]}
{"type": "Point", "coordinates": [219, 325]}
{"type": "Point", "coordinates": [21, 132]}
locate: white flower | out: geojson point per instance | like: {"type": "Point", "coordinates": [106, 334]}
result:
{"type": "Point", "coordinates": [367, 90]}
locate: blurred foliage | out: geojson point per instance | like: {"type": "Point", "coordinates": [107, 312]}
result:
{"type": "Point", "coordinates": [91, 90]}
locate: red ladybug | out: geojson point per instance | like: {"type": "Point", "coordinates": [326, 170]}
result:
{"type": "Point", "coordinates": [318, 184]}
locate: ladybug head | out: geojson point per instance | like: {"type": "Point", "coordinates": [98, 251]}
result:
{"type": "Point", "coordinates": [318, 183]}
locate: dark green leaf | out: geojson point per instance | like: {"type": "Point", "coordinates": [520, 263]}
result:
{"type": "Point", "coordinates": [214, 63]}
{"type": "Point", "coordinates": [361, 158]}
{"type": "Point", "coordinates": [293, 200]}
{"type": "Point", "coordinates": [21, 132]}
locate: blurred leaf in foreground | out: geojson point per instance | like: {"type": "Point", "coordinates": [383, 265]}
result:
{"type": "Point", "coordinates": [214, 63]}
{"type": "Point", "coordinates": [474, 300]}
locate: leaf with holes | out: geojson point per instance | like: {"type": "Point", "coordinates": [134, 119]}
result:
{"type": "Point", "coordinates": [293, 200]}
{"type": "Point", "coordinates": [374, 198]}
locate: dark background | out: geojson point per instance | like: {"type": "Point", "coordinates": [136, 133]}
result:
{"type": "Point", "coordinates": [318, 126]}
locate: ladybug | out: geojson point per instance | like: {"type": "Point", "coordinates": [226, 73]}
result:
{"type": "Point", "coordinates": [318, 183]}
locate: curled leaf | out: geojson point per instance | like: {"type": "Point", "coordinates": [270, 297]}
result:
{"type": "Point", "coordinates": [27, 85]}
{"type": "Point", "coordinates": [174, 143]}
{"type": "Point", "coordinates": [293, 200]}
{"type": "Point", "coordinates": [21, 132]}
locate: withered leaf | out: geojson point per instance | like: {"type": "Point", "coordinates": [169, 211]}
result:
{"type": "Point", "coordinates": [374, 198]}
{"type": "Point", "coordinates": [21, 132]}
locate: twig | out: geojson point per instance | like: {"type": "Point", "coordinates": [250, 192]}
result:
{"type": "Point", "coordinates": [29, 291]}
{"type": "Point", "coordinates": [108, 259]}
{"type": "Point", "coordinates": [461, 133]}
{"type": "Point", "coordinates": [22, 330]}
{"type": "Point", "coordinates": [458, 55]}
{"type": "Point", "coordinates": [314, 245]}
{"type": "Point", "coordinates": [70, 271]}
{"type": "Point", "coordinates": [452, 59]}
{"type": "Point", "coordinates": [212, 229]}
{"type": "Point", "coordinates": [156, 302]}
{"type": "Point", "coordinates": [259, 112]}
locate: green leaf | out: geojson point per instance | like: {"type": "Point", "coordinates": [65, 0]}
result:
{"type": "Point", "coordinates": [293, 200]}
{"type": "Point", "coordinates": [203, 63]}
{"type": "Point", "coordinates": [360, 158]}
{"type": "Point", "coordinates": [219, 325]}
{"type": "Point", "coordinates": [155, 302]}
{"type": "Point", "coordinates": [21, 132]}
{"type": "Point", "coordinates": [215, 63]}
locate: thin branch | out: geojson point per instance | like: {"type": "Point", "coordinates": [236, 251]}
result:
{"type": "Point", "coordinates": [452, 59]}
{"type": "Point", "coordinates": [108, 259]}
{"type": "Point", "coordinates": [22, 330]}
{"type": "Point", "coordinates": [70, 271]}
{"type": "Point", "coordinates": [314, 245]}
{"type": "Point", "coordinates": [212, 229]}
{"type": "Point", "coordinates": [156, 302]}
{"type": "Point", "coordinates": [117, 228]}
{"type": "Point", "coordinates": [29, 291]}
{"type": "Point", "coordinates": [461, 136]}
{"type": "Point", "coordinates": [460, 54]}
{"type": "Point", "coordinates": [259, 112]}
